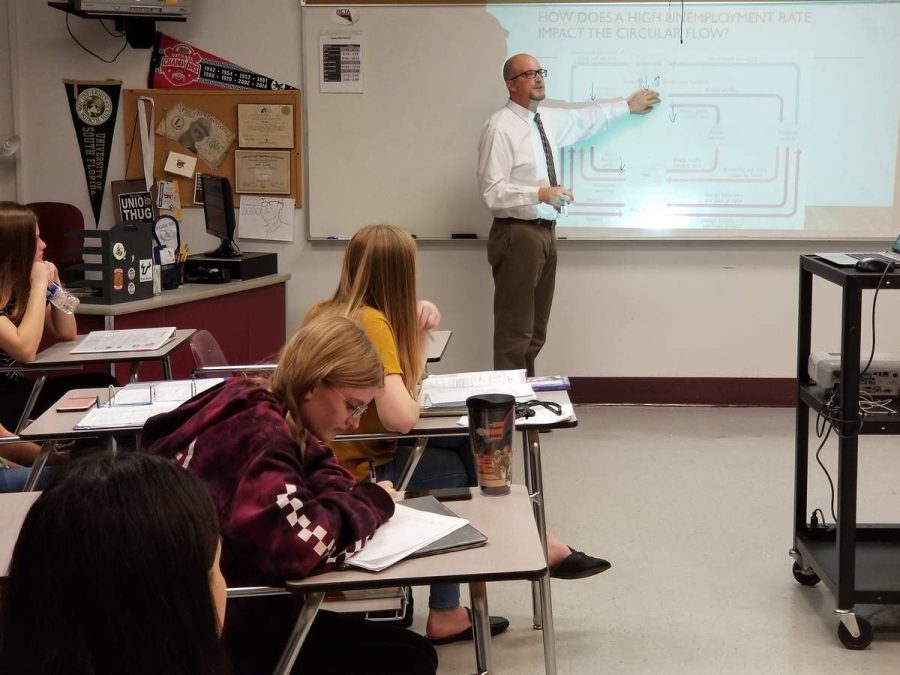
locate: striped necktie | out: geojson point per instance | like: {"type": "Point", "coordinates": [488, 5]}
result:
{"type": "Point", "coordinates": [551, 169]}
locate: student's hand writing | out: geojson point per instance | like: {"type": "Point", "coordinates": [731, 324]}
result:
{"type": "Point", "coordinates": [641, 102]}
{"type": "Point", "coordinates": [388, 487]}
{"type": "Point", "coordinates": [427, 315]}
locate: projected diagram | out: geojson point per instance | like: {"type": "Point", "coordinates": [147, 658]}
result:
{"type": "Point", "coordinates": [722, 151]}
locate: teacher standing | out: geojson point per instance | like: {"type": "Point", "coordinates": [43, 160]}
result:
{"type": "Point", "coordinates": [518, 182]}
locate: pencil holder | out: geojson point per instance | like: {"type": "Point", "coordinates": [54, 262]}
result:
{"type": "Point", "coordinates": [172, 275]}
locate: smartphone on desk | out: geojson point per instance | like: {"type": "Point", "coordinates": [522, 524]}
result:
{"type": "Point", "coordinates": [76, 404]}
{"type": "Point", "coordinates": [441, 494]}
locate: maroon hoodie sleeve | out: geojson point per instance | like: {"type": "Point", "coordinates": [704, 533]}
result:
{"type": "Point", "coordinates": [293, 519]}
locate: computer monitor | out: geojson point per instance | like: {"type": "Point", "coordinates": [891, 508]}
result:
{"type": "Point", "coordinates": [218, 209]}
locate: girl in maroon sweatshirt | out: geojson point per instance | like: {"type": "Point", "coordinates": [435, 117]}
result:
{"type": "Point", "coordinates": [286, 508]}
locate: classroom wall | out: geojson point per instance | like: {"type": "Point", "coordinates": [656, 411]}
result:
{"type": "Point", "coordinates": [622, 309]}
{"type": "Point", "coordinates": [7, 165]}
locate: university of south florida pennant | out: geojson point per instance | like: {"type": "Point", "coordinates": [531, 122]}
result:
{"type": "Point", "coordinates": [94, 106]}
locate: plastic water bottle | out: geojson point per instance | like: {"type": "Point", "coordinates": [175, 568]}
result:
{"type": "Point", "coordinates": [60, 298]}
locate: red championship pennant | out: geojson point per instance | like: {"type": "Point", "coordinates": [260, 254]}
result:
{"type": "Point", "coordinates": [177, 65]}
{"type": "Point", "coordinates": [94, 106]}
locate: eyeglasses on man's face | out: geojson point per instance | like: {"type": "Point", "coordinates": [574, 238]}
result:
{"type": "Point", "coordinates": [530, 74]}
{"type": "Point", "coordinates": [354, 410]}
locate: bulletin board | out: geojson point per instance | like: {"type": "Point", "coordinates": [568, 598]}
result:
{"type": "Point", "coordinates": [223, 105]}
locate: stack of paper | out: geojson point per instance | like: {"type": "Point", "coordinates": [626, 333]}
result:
{"type": "Point", "coordinates": [131, 340]}
{"type": "Point", "coordinates": [453, 389]}
{"type": "Point", "coordinates": [406, 532]}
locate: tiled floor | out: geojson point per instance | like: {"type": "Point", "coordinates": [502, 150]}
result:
{"type": "Point", "coordinates": [693, 508]}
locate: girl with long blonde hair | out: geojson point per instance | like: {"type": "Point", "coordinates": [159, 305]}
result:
{"type": "Point", "coordinates": [377, 289]}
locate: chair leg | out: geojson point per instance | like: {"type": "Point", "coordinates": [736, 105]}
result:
{"type": "Point", "coordinates": [414, 456]}
{"type": "Point", "coordinates": [38, 465]}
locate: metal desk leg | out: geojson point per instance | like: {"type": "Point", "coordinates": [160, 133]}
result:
{"type": "Point", "coordinates": [133, 371]}
{"type": "Point", "coordinates": [525, 461]}
{"type": "Point", "coordinates": [536, 611]}
{"type": "Point", "coordinates": [37, 466]}
{"type": "Point", "coordinates": [298, 635]}
{"type": "Point", "coordinates": [29, 404]}
{"type": "Point", "coordinates": [542, 587]}
{"type": "Point", "coordinates": [481, 624]}
{"type": "Point", "coordinates": [411, 463]}
{"type": "Point", "coordinates": [167, 368]}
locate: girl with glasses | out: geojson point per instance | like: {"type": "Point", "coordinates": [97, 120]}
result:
{"type": "Point", "coordinates": [287, 509]}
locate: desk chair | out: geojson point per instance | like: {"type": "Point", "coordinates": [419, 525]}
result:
{"type": "Point", "coordinates": [209, 359]}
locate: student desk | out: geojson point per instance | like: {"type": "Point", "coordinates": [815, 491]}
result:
{"type": "Point", "coordinates": [247, 317]}
{"type": "Point", "coordinates": [430, 427]}
{"type": "Point", "coordinates": [513, 551]}
{"type": "Point", "coordinates": [14, 507]}
{"type": "Point", "coordinates": [58, 357]}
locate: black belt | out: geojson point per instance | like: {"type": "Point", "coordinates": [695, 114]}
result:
{"type": "Point", "coordinates": [540, 222]}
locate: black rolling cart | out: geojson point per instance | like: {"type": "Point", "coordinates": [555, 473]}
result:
{"type": "Point", "coordinates": [860, 563]}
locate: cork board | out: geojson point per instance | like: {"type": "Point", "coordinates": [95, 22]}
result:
{"type": "Point", "coordinates": [223, 105]}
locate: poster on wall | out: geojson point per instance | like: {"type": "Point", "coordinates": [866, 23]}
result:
{"type": "Point", "coordinates": [94, 106]}
{"type": "Point", "coordinates": [340, 63]}
{"type": "Point", "coordinates": [178, 65]}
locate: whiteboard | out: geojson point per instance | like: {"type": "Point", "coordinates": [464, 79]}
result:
{"type": "Point", "coordinates": [777, 120]}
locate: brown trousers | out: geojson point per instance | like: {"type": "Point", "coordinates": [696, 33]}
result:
{"type": "Point", "coordinates": [523, 261]}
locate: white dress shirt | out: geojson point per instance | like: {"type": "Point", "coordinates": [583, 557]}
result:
{"type": "Point", "coordinates": [511, 162]}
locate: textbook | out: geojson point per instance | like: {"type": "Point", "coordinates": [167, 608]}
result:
{"type": "Point", "coordinates": [465, 537]}
{"type": "Point", "coordinates": [360, 600]}
{"type": "Point", "coordinates": [453, 389]}
{"type": "Point", "coordinates": [130, 340]}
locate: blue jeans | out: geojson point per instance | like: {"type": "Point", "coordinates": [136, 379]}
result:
{"type": "Point", "coordinates": [13, 480]}
{"type": "Point", "coordinates": [446, 462]}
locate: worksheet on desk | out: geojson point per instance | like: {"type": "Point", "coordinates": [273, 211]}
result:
{"type": "Point", "coordinates": [130, 340]}
{"type": "Point", "coordinates": [453, 389]}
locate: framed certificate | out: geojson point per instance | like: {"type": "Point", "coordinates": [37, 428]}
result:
{"type": "Point", "coordinates": [264, 172]}
{"type": "Point", "coordinates": [265, 126]}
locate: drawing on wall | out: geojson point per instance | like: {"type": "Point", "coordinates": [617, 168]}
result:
{"type": "Point", "coordinates": [270, 218]}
